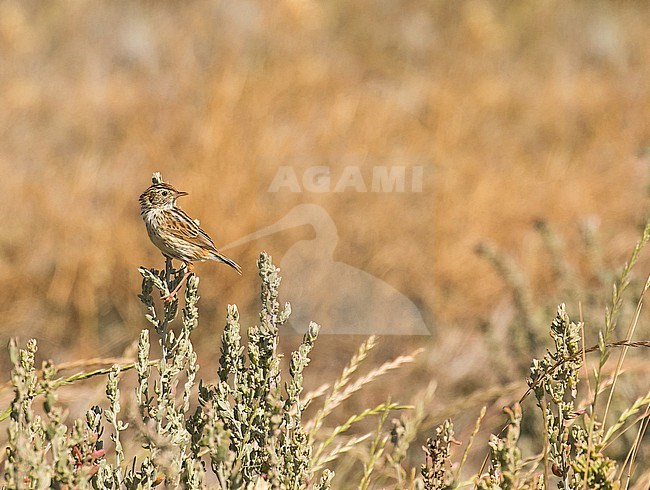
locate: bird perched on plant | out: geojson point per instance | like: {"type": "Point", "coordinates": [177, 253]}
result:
{"type": "Point", "coordinates": [176, 234]}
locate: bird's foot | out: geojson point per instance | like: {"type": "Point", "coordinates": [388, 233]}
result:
{"type": "Point", "coordinates": [168, 298]}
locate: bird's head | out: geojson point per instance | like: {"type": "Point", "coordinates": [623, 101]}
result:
{"type": "Point", "coordinates": [160, 196]}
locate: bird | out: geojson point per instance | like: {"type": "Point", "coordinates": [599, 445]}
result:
{"type": "Point", "coordinates": [175, 234]}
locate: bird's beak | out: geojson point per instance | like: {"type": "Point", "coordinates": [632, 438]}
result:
{"type": "Point", "coordinates": [180, 193]}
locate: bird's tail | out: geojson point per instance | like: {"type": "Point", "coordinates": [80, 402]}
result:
{"type": "Point", "coordinates": [219, 257]}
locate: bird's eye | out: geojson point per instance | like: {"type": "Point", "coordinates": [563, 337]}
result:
{"type": "Point", "coordinates": [165, 193]}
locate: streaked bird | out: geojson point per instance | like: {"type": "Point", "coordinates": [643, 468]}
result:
{"type": "Point", "coordinates": [176, 234]}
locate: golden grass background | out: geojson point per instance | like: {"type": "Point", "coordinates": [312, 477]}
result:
{"type": "Point", "coordinates": [518, 111]}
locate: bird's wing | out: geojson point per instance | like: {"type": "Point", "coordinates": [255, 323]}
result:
{"type": "Point", "coordinates": [186, 228]}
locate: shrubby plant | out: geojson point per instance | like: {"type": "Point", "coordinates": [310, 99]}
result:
{"type": "Point", "coordinates": [246, 430]}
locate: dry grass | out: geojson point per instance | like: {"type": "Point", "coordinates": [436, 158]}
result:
{"type": "Point", "coordinates": [517, 111]}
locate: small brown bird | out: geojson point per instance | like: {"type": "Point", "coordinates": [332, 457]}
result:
{"type": "Point", "coordinates": [176, 234]}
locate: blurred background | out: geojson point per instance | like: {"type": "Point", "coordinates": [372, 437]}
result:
{"type": "Point", "coordinates": [527, 123]}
